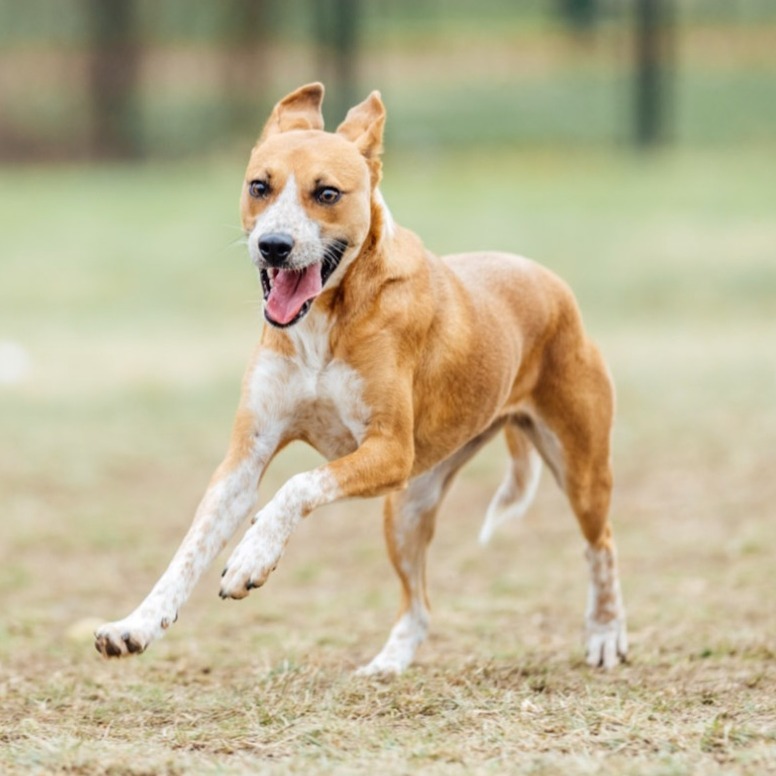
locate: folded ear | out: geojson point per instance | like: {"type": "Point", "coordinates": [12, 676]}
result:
{"type": "Point", "coordinates": [299, 110]}
{"type": "Point", "coordinates": [364, 126]}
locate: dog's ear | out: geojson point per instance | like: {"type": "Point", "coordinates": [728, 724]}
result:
{"type": "Point", "coordinates": [299, 110]}
{"type": "Point", "coordinates": [364, 126]}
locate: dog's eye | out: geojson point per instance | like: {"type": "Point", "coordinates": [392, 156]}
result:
{"type": "Point", "coordinates": [258, 189]}
{"type": "Point", "coordinates": [327, 195]}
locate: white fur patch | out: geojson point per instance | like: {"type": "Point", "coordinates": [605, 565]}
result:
{"type": "Point", "coordinates": [607, 636]}
{"type": "Point", "coordinates": [287, 215]}
{"type": "Point", "coordinates": [389, 225]}
{"type": "Point", "coordinates": [260, 550]}
{"type": "Point", "coordinates": [270, 400]}
{"type": "Point", "coordinates": [310, 393]}
{"type": "Point", "coordinates": [310, 338]}
{"type": "Point", "coordinates": [397, 654]}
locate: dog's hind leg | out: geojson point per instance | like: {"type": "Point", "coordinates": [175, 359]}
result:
{"type": "Point", "coordinates": [518, 488]}
{"type": "Point", "coordinates": [409, 520]}
{"type": "Point", "coordinates": [572, 430]}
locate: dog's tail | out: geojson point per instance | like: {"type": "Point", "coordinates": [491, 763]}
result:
{"type": "Point", "coordinates": [518, 488]}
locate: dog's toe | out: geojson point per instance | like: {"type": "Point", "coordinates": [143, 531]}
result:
{"type": "Point", "coordinates": [134, 647]}
{"type": "Point", "coordinates": [107, 647]}
{"type": "Point", "coordinates": [607, 645]}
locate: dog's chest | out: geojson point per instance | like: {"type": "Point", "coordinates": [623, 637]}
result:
{"type": "Point", "coordinates": [332, 415]}
{"type": "Point", "coordinates": [313, 396]}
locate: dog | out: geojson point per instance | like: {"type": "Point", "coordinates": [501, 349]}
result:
{"type": "Point", "coordinates": [397, 366]}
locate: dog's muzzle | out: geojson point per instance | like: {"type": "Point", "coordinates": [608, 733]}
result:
{"type": "Point", "coordinates": [289, 291]}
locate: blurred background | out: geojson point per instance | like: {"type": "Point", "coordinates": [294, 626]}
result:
{"type": "Point", "coordinates": [134, 78]}
{"type": "Point", "coordinates": [630, 145]}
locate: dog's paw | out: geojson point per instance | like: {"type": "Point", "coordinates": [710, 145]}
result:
{"type": "Point", "coordinates": [607, 644]}
{"type": "Point", "coordinates": [399, 651]}
{"type": "Point", "coordinates": [253, 560]}
{"type": "Point", "coordinates": [128, 637]}
{"type": "Point", "coordinates": [382, 667]}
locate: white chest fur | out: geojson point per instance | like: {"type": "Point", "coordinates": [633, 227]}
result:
{"type": "Point", "coordinates": [310, 394]}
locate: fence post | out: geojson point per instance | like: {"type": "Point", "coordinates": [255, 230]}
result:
{"type": "Point", "coordinates": [114, 60]}
{"type": "Point", "coordinates": [337, 28]}
{"type": "Point", "coordinates": [653, 32]}
{"type": "Point", "coordinates": [245, 65]}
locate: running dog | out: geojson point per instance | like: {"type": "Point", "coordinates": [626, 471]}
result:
{"type": "Point", "coordinates": [398, 366]}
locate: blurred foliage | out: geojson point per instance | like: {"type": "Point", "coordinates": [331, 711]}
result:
{"type": "Point", "coordinates": [453, 72]}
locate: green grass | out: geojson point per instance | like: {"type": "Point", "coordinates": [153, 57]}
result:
{"type": "Point", "coordinates": [139, 312]}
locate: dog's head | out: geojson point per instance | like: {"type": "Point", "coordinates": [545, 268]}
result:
{"type": "Point", "coordinates": [307, 199]}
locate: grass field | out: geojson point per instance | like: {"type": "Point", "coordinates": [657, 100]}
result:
{"type": "Point", "coordinates": [138, 308]}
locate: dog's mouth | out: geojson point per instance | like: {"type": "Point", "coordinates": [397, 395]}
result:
{"type": "Point", "coordinates": [289, 293]}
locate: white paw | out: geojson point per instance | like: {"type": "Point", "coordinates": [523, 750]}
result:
{"type": "Point", "coordinates": [383, 666]}
{"type": "Point", "coordinates": [607, 645]}
{"type": "Point", "coordinates": [130, 636]}
{"type": "Point", "coordinates": [399, 651]}
{"type": "Point", "coordinates": [252, 561]}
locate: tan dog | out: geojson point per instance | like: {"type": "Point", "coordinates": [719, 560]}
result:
{"type": "Point", "coordinates": [397, 366]}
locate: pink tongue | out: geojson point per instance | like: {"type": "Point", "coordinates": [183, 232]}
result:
{"type": "Point", "coordinates": [290, 290]}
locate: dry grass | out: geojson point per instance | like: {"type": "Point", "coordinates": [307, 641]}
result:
{"type": "Point", "coordinates": [106, 450]}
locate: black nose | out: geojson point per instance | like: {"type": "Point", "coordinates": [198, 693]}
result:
{"type": "Point", "coordinates": [275, 247]}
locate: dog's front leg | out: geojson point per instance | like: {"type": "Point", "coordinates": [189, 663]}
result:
{"type": "Point", "coordinates": [382, 464]}
{"type": "Point", "coordinates": [226, 503]}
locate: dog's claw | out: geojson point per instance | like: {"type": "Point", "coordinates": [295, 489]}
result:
{"type": "Point", "coordinates": [111, 650]}
{"type": "Point", "coordinates": [133, 647]}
